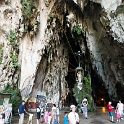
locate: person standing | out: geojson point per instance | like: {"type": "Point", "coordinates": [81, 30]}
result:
{"type": "Point", "coordinates": [117, 115]}
{"type": "Point", "coordinates": [85, 104]}
{"type": "Point", "coordinates": [30, 118]}
{"type": "Point", "coordinates": [42, 114]}
{"type": "Point", "coordinates": [73, 116]}
{"type": "Point", "coordinates": [21, 111]}
{"type": "Point", "coordinates": [38, 114]}
{"type": "Point", "coordinates": [1, 119]}
{"type": "Point", "coordinates": [57, 113]}
{"type": "Point", "coordinates": [66, 118]}
{"type": "Point", "coordinates": [54, 119]}
{"type": "Point", "coordinates": [111, 111]}
{"type": "Point", "coordinates": [120, 107]}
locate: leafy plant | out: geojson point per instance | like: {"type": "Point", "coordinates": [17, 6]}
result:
{"type": "Point", "coordinates": [14, 51]}
{"type": "Point", "coordinates": [78, 30]}
{"type": "Point", "coordinates": [51, 18]}
{"type": "Point", "coordinates": [14, 57]}
{"type": "Point", "coordinates": [108, 23]}
{"type": "Point", "coordinates": [15, 97]}
{"type": "Point", "coordinates": [85, 92]}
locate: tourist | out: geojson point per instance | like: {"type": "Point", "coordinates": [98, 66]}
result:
{"type": "Point", "coordinates": [54, 119]}
{"type": "Point", "coordinates": [73, 116]}
{"type": "Point", "coordinates": [120, 107]}
{"type": "Point", "coordinates": [57, 113]}
{"type": "Point", "coordinates": [38, 113]}
{"type": "Point", "coordinates": [21, 111]}
{"type": "Point", "coordinates": [1, 119]}
{"type": "Point", "coordinates": [66, 118]}
{"type": "Point", "coordinates": [49, 117]}
{"type": "Point", "coordinates": [46, 116]}
{"type": "Point", "coordinates": [117, 115]}
{"type": "Point", "coordinates": [111, 111]}
{"type": "Point", "coordinates": [84, 108]}
{"type": "Point", "coordinates": [42, 114]}
{"type": "Point", "coordinates": [30, 118]}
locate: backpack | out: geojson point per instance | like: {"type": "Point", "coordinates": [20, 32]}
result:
{"type": "Point", "coordinates": [37, 109]}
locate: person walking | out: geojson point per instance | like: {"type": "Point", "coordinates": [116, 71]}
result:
{"type": "Point", "coordinates": [111, 111]}
{"type": "Point", "coordinates": [120, 107]}
{"type": "Point", "coordinates": [84, 108]}
{"type": "Point", "coordinates": [21, 111]}
{"type": "Point", "coordinates": [73, 116]}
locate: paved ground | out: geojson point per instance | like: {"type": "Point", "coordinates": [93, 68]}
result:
{"type": "Point", "coordinates": [99, 117]}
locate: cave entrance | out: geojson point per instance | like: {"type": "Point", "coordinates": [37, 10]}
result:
{"type": "Point", "coordinates": [99, 92]}
{"type": "Point", "coordinates": [70, 78]}
{"type": "Point", "coordinates": [73, 64]}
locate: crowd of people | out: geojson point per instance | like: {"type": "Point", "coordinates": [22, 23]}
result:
{"type": "Point", "coordinates": [47, 115]}
{"type": "Point", "coordinates": [51, 114]}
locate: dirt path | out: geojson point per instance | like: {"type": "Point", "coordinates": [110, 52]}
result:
{"type": "Point", "coordinates": [99, 117]}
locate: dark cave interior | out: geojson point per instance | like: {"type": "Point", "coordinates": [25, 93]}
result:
{"type": "Point", "coordinates": [99, 93]}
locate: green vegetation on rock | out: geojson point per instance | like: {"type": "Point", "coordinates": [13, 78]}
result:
{"type": "Point", "coordinates": [30, 15]}
{"type": "Point", "coordinates": [14, 49]}
{"type": "Point", "coordinates": [78, 30]}
{"type": "Point", "coordinates": [85, 92]}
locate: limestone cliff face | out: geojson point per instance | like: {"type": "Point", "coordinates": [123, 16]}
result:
{"type": "Point", "coordinates": [38, 45]}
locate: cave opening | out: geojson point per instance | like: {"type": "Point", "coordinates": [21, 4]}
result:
{"type": "Point", "coordinates": [99, 92]}
{"type": "Point", "coordinates": [73, 64]}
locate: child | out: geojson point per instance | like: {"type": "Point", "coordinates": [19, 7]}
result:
{"type": "Point", "coordinates": [30, 118]}
{"type": "Point", "coordinates": [46, 117]}
{"type": "Point", "coordinates": [49, 117]}
{"type": "Point", "coordinates": [66, 118]}
{"type": "Point", "coordinates": [1, 119]}
{"type": "Point", "coordinates": [118, 115]}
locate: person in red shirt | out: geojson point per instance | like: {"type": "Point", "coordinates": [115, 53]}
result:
{"type": "Point", "coordinates": [111, 111]}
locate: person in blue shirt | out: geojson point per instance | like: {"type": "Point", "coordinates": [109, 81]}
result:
{"type": "Point", "coordinates": [21, 111]}
{"type": "Point", "coordinates": [66, 118]}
